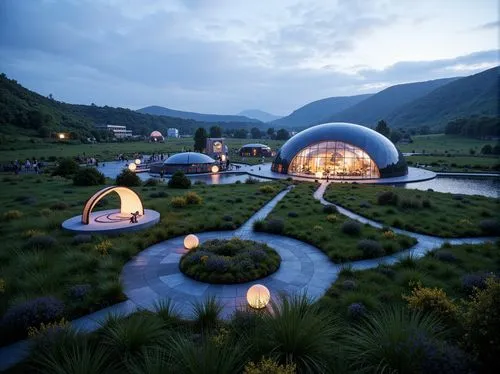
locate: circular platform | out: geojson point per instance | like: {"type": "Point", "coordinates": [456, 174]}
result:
{"type": "Point", "coordinates": [111, 222]}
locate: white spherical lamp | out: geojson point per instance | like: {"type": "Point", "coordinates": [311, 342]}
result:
{"type": "Point", "coordinates": [137, 161]}
{"type": "Point", "coordinates": [319, 174]}
{"type": "Point", "coordinates": [258, 296]}
{"type": "Point", "coordinates": [215, 169]}
{"type": "Point", "coordinates": [223, 158]}
{"type": "Point", "coordinates": [191, 241]}
{"type": "Point", "coordinates": [132, 166]}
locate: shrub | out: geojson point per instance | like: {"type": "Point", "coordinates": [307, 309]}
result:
{"type": "Point", "coordinates": [292, 214]}
{"type": "Point", "coordinates": [167, 310]}
{"type": "Point", "coordinates": [128, 178]}
{"type": "Point", "coordinates": [151, 182]}
{"type": "Point", "coordinates": [192, 198]}
{"type": "Point", "coordinates": [471, 282]}
{"type": "Point", "coordinates": [351, 227]}
{"type": "Point", "coordinates": [33, 313]}
{"type": "Point", "coordinates": [251, 180]}
{"type": "Point", "coordinates": [179, 180]}
{"type": "Point", "coordinates": [349, 285]}
{"type": "Point", "coordinates": [12, 215]}
{"type": "Point", "coordinates": [66, 167]}
{"type": "Point", "coordinates": [387, 198]}
{"type": "Point", "coordinates": [332, 218]}
{"type": "Point", "coordinates": [426, 203]}
{"type": "Point", "coordinates": [445, 256]}
{"type": "Point", "coordinates": [79, 291]}
{"type": "Point", "coordinates": [2, 285]}
{"type": "Point", "coordinates": [41, 242]}
{"type": "Point", "coordinates": [269, 366]}
{"type": "Point", "coordinates": [82, 238]}
{"type": "Point", "coordinates": [490, 226]}
{"type": "Point", "coordinates": [389, 341]}
{"type": "Point", "coordinates": [259, 225]}
{"type": "Point", "coordinates": [159, 194]}
{"type": "Point", "coordinates": [371, 248]}
{"type": "Point", "coordinates": [356, 310]}
{"type": "Point", "coordinates": [178, 201]}
{"type": "Point", "coordinates": [410, 203]}
{"type": "Point", "coordinates": [329, 209]}
{"type": "Point", "coordinates": [482, 323]}
{"type": "Point", "coordinates": [267, 189]}
{"type": "Point", "coordinates": [207, 313]}
{"type": "Point", "coordinates": [88, 177]}
{"type": "Point", "coordinates": [431, 300]}
{"type": "Point", "coordinates": [275, 226]}
{"type": "Point", "coordinates": [389, 234]}
{"type": "Point", "coordinates": [103, 247]}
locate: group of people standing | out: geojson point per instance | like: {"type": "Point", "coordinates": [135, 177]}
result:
{"type": "Point", "coordinates": [27, 166]}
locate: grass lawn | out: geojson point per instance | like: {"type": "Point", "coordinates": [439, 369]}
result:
{"type": "Point", "coordinates": [470, 164]}
{"type": "Point", "coordinates": [38, 258]}
{"type": "Point", "coordinates": [304, 218]}
{"type": "Point", "coordinates": [452, 269]}
{"type": "Point", "coordinates": [428, 212]}
{"type": "Point", "coordinates": [108, 151]}
{"type": "Point", "coordinates": [441, 143]}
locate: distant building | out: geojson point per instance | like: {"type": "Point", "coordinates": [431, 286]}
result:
{"type": "Point", "coordinates": [173, 133]}
{"type": "Point", "coordinates": [255, 150]}
{"type": "Point", "coordinates": [119, 132]}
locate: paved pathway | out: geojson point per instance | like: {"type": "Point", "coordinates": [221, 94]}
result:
{"type": "Point", "coordinates": [154, 274]}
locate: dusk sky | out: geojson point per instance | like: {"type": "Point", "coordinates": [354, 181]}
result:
{"type": "Point", "coordinates": [224, 56]}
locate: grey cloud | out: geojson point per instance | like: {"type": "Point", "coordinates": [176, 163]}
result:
{"type": "Point", "coordinates": [489, 26]}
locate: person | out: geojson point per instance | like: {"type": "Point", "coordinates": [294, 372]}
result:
{"type": "Point", "coordinates": [133, 219]}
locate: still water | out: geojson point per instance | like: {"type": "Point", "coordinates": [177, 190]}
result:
{"type": "Point", "coordinates": [459, 185]}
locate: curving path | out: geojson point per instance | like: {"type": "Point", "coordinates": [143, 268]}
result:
{"type": "Point", "coordinates": [154, 273]}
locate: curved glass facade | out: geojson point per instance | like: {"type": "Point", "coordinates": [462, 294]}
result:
{"type": "Point", "coordinates": [332, 160]}
{"type": "Point", "coordinates": [340, 150]}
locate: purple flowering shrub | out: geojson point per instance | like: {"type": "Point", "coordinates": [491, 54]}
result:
{"type": "Point", "coordinates": [230, 261]}
{"type": "Point", "coordinates": [356, 310]}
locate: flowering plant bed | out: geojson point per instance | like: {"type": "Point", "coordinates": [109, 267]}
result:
{"type": "Point", "coordinates": [230, 261]}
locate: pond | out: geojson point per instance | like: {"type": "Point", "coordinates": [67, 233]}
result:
{"type": "Point", "coordinates": [459, 185]}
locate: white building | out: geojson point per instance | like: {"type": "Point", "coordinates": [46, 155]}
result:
{"type": "Point", "coordinates": [118, 131]}
{"type": "Point", "coordinates": [172, 133]}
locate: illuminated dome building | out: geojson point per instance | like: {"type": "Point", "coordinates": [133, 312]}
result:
{"type": "Point", "coordinates": [156, 136]}
{"type": "Point", "coordinates": [255, 150]}
{"type": "Point", "coordinates": [340, 151]}
{"type": "Point", "coordinates": [189, 163]}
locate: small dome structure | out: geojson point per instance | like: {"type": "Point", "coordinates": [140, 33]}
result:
{"type": "Point", "coordinates": [189, 163]}
{"type": "Point", "coordinates": [340, 151]}
{"type": "Point", "coordinates": [255, 150]}
{"type": "Point", "coordinates": [156, 136]}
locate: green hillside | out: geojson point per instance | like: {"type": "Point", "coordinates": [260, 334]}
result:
{"type": "Point", "coordinates": [162, 111]}
{"type": "Point", "coordinates": [379, 106]}
{"type": "Point", "coordinates": [474, 95]}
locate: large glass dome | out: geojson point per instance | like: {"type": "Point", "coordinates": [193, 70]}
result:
{"type": "Point", "coordinates": [186, 158]}
{"type": "Point", "coordinates": [340, 150]}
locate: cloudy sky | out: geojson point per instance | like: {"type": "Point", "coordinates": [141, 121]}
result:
{"type": "Point", "coordinates": [224, 56]}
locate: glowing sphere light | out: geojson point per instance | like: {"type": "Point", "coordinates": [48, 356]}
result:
{"type": "Point", "coordinates": [132, 166]}
{"type": "Point", "coordinates": [258, 296]}
{"type": "Point", "coordinates": [137, 161]}
{"type": "Point", "coordinates": [223, 158]}
{"type": "Point", "coordinates": [61, 136]}
{"type": "Point", "coordinates": [191, 241]}
{"type": "Point", "coordinates": [215, 169]}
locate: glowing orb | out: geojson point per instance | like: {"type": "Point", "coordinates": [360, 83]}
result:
{"type": "Point", "coordinates": [215, 169]}
{"type": "Point", "coordinates": [191, 241]}
{"type": "Point", "coordinates": [61, 136]}
{"type": "Point", "coordinates": [258, 296]}
{"type": "Point", "coordinates": [223, 158]}
{"type": "Point", "coordinates": [137, 161]}
{"type": "Point", "coordinates": [132, 166]}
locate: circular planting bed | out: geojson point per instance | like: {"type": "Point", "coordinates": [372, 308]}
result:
{"type": "Point", "coordinates": [230, 261]}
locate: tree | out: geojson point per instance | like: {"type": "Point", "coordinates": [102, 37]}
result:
{"type": "Point", "coordinates": [270, 131]}
{"type": "Point", "coordinates": [200, 139]}
{"type": "Point", "coordinates": [215, 132]}
{"type": "Point", "coordinates": [487, 149]}
{"type": "Point", "coordinates": [282, 134]}
{"type": "Point", "coordinates": [240, 133]}
{"type": "Point", "coordinates": [255, 133]}
{"type": "Point", "coordinates": [396, 136]}
{"type": "Point", "coordinates": [383, 128]}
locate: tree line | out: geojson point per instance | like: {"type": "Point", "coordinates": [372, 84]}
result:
{"type": "Point", "coordinates": [474, 127]}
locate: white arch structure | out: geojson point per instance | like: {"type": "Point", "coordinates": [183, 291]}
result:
{"type": "Point", "coordinates": [129, 202]}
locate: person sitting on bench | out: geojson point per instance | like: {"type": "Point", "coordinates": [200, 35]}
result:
{"type": "Point", "coordinates": [133, 219]}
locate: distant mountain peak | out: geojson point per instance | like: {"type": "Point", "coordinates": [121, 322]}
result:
{"type": "Point", "coordinates": [259, 115]}
{"type": "Point", "coordinates": [162, 111]}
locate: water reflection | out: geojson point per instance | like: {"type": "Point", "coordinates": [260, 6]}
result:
{"type": "Point", "coordinates": [468, 186]}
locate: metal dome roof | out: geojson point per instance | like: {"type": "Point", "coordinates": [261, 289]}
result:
{"type": "Point", "coordinates": [189, 158]}
{"type": "Point", "coordinates": [255, 145]}
{"type": "Point", "coordinates": [380, 149]}
{"type": "Point", "coordinates": [156, 134]}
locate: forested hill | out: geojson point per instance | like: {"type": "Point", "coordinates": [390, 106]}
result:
{"type": "Point", "coordinates": [24, 112]}
{"type": "Point", "coordinates": [478, 94]}
{"type": "Point", "coordinates": [381, 105]}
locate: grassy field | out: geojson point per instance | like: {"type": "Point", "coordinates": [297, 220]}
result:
{"type": "Point", "coordinates": [304, 218]}
{"type": "Point", "coordinates": [109, 151]}
{"type": "Point", "coordinates": [445, 269]}
{"type": "Point", "coordinates": [38, 258]}
{"type": "Point", "coordinates": [441, 143]}
{"type": "Point", "coordinates": [456, 163]}
{"type": "Point", "coordinates": [428, 212]}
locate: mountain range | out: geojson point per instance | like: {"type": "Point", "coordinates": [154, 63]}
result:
{"type": "Point", "coordinates": [259, 115]}
{"type": "Point", "coordinates": [162, 111]}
